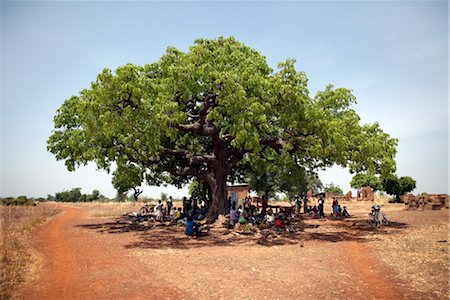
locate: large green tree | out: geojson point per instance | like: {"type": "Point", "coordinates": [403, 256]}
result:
{"type": "Point", "coordinates": [197, 114]}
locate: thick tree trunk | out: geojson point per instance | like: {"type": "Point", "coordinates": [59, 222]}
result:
{"type": "Point", "coordinates": [219, 198]}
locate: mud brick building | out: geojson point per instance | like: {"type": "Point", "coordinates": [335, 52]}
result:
{"type": "Point", "coordinates": [426, 201]}
{"type": "Point", "coordinates": [237, 192]}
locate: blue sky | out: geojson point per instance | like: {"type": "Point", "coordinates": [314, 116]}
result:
{"type": "Point", "coordinates": [394, 55]}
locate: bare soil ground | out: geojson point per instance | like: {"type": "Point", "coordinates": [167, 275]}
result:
{"type": "Point", "coordinates": [86, 254]}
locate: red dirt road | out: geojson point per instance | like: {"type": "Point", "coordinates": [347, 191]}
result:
{"type": "Point", "coordinates": [84, 264]}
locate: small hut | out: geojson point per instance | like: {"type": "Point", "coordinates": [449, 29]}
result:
{"type": "Point", "coordinates": [237, 192]}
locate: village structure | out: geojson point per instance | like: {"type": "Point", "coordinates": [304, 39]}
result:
{"type": "Point", "coordinates": [238, 192]}
{"type": "Point", "coordinates": [426, 201]}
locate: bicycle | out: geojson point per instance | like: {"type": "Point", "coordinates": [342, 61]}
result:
{"type": "Point", "coordinates": [377, 217]}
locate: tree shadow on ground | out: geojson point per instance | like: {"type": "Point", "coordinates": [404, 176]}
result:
{"type": "Point", "coordinates": [159, 236]}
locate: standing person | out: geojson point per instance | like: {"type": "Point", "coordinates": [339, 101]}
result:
{"type": "Point", "coordinates": [298, 204]}
{"type": "Point", "coordinates": [186, 206]}
{"type": "Point", "coordinates": [229, 203]}
{"type": "Point", "coordinates": [321, 203]}
{"type": "Point", "coordinates": [335, 207]}
{"type": "Point", "coordinates": [158, 211]}
{"type": "Point", "coordinates": [305, 204]}
{"type": "Point", "coordinates": [194, 206]}
{"type": "Point", "coordinates": [169, 203]}
{"type": "Point", "coordinates": [245, 202]}
{"type": "Point", "coordinates": [264, 202]}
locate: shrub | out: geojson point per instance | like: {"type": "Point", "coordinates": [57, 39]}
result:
{"type": "Point", "coordinates": [21, 200]}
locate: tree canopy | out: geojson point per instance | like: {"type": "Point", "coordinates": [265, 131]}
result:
{"type": "Point", "coordinates": [398, 186]}
{"type": "Point", "coordinates": [365, 179]}
{"type": "Point", "coordinates": [332, 188]}
{"type": "Point", "coordinates": [197, 114]}
{"type": "Point", "coordinates": [267, 176]}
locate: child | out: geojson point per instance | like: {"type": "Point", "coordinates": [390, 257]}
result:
{"type": "Point", "coordinates": [315, 211]}
{"type": "Point", "coordinates": [234, 215]}
{"type": "Point", "coordinates": [192, 228]}
{"type": "Point", "coordinates": [345, 213]}
{"type": "Point", "coordinates": [279, 223]}
{"type": "Point", "coordinates": [178, 213]}
{"type": "Point", "coordinates": [270, 218]}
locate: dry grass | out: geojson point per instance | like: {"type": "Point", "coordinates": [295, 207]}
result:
{"type": "Point", "coordinates": [15, 225]}
{"type": "Point", "coordinates": [420, 253]}
{"type": "Point", "coordinates": [107, 209]}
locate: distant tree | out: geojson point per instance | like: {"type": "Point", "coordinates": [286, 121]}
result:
{"type": "Point", "coordinates": [397, 187]}
{"type": "Point", "coordinates": [128, 177]}
{"type": "Point", "coordinates": [366, 179]}
{"type": "Point", "coordinates": [163, 197]}
{"type": "Point", "coordinates": [332, 188]}
{"type": "Point", "coordinates": [314, 182]}
{"type": "Point", "coordinates": [121, 196]}
{"type": "Point", "coordinates": [95, 195]}
{"type": "Point", "coordinates": [75, 195]}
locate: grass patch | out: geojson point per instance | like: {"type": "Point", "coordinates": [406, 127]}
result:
{"type": "Point", "coordinates": [419, 255]}
{"type": "Point", "coordinates": [108, 209]}
{"type": "Point", "coordinates": [16, 223]}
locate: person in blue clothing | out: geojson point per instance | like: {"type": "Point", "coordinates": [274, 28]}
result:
{"type": "Point", "coordinates": [192, 228]}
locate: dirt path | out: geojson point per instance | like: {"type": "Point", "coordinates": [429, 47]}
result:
{"type": "Point", "coordinates": [372, 276]}
{"type": "Point", "coordinates": [79, 264]}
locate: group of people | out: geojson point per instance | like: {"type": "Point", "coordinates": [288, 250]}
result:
{"type": "Point", "coordinates": [337, 211]}
{"type": "Point", "coordinates": [247, 213]}
{"type": "Point", "coordinates": [191, 207]}
{"type": "Point", "coordinates": [317, 211]}
{"type": "Point", "coordinates": [194, 209]}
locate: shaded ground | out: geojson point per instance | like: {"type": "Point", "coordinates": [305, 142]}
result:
{"type": "Point", "coordinates": [98, 258]}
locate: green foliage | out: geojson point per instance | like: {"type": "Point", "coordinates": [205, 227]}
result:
{"type": "Point", "coordinates": [366, 179]}
{"type": "Point", "coordinates": [332, 188]}
{"type": "Point", "coordinates": [396, 186]}
{"type": "Point", "coordinates": [75, 195]}
{"type": "Point", "coordinates": [127, 176]}
{"type": "Point", "coordinates": [197, 114]}
{"type": "Point", "coordinates": [21, 200]}
{"type": "Point", "coordinates": [407, 184]}
{"type": "Point", "coordinates": [121, 196]}
{"type": "Point", "coordinates": [278, 174]}
{"type": "Point", "coordinates": [194, 188]}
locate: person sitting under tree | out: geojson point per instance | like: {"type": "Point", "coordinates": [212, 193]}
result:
{"type": "Point", "coordinates": [192, 228]}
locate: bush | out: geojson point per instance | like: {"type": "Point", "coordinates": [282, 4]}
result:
{"type": "Point", "coordinates": [75, 195]}
{"type": "Point", "coordinates": [333, 188]}
{"type": "Point", "coordinates": [21, 200]}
